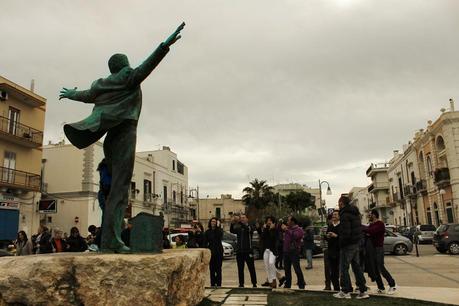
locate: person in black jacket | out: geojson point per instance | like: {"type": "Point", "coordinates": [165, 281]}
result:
{"type": "Point", "coordinates": [349, 237]}
{"type": "Point", "coordinates": [43, 240]}
{"type": "Point", "coordinates": [244, 252]}
{"type": "Point", "coordinates": [332, 237]}
{"type": "Point", "coordinates": [76, 243]}
{"type": "Point", "coordinates": [196, 236]}
{"type": "Point", "coordinates": [269, 239]}
{"type": "Point", "coordinates": [213, 241]}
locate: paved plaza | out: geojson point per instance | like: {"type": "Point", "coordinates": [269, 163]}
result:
{"type": "Point", "coordinates": [431, 276]}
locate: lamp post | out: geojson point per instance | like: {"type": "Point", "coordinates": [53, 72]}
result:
{"type": "Point", "coordinates": [329, 192]}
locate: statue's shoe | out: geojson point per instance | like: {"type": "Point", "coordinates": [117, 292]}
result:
{"type": "Point", "coordinates": [123, 250]}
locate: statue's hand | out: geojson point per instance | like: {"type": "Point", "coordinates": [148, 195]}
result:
{"type": "Point", "coordinates": [67, 93]}
{"type": "Point", "coordinates": [175, 36]}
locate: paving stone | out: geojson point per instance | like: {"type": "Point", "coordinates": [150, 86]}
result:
{"type": "Point", "coordinates": [239, 303]}
{"type": "Point", "coordinates": [218, 295]}
{"type": "Point", "coordinates": [258, 298]}
{"type": "Point", "coordinates": [216, 299]}
{"type": "Point", "coordinates": [236, 298]}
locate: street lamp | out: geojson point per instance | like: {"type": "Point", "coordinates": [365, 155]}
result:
{"type": "Point", "coordinates": [329, 192]}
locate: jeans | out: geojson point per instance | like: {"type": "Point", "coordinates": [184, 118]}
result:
{"type": "Point", "coordinates": [334, 271]}
{"type": "Point", "coordinates": [327, 271]}
{"type": "Point", "coordinates": [381, 270]}
{"type": "Point", "coordinates": [293, 258]}
{"type": "Point", "coordinates": [215, 267]}
{"type": "Point", "coordinates": [309, 257]}
{"type": "Point", "coordinates": [246, 257]}
{"type": "Point", "coordinates": [270, 259]}
{"type": "Point", "coordinates": [349, 255]}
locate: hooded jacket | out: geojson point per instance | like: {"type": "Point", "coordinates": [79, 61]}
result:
{"type": "Point", "coordinates": [350, 226]}
{"type": "Point", "coordinates": [293, 236]}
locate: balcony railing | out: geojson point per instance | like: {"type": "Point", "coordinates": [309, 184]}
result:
{"type": "Point", "coordinates": [12, 178]}
{"type": "Point", "coordinates": [441, 176]}
{"type": "Point", "coordinates": [421, 186]}
{"type": "Point", "coordinates": [21, 133]}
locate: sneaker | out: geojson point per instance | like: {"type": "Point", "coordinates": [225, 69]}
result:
{"type": "Point", "coordinates": [392, 290]}
{"type": "Point", "coordinates": [281, 281]}
{"type": "Point", "coordinates": [342, 295]}
{"type": "Point", "coordinates": [254, 286]}
{"type": "Point", "coordinates": [381, 291]}
{"type": "Point", "coordinates": [327, 289]}
{"type": "Point", "coordinates": [363, 295]}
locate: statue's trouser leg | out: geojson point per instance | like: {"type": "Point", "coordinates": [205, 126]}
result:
{"type": "Point", "coordinates": [119, 150]}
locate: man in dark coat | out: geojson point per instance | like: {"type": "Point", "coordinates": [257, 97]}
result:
{"type": "Point", "coordinates": [349, 236]}
{"type": "Point", "coordinates": [118, 101]}
{"type": "Point", "coordinates": [244, 253]}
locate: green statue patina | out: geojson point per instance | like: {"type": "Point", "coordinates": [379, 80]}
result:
{"type": "Point", "coordinates": [118, 102]}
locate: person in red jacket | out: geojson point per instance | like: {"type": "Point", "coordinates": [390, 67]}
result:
{"type": "Point", "coordinates": [376, 231]}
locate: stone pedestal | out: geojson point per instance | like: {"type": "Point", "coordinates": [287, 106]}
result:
{"type": "Point", "coordinates": [174, 277]}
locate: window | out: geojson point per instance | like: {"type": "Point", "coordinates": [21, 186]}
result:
{"type": "Point", "coordinates": [9, 164]}
{"type": "Point", "coordinates": [147, 190]}
{"type": "Point", "coordinates": [180, 167]}
{"type": "Point", "coordinates": [165, 194]}
{"type": "Point", "coordinates": [429, 216]}
{"type": "Point", "coordinates": [429, 165]}
{"type": "Point", "coordinates": [218, 212]}
{"type": "Point", "coordinates": [133, 191]}
{"type": "Point", "coordinates": [13, 120]}
{"type": "Point", "coordinates": [181, 196]}
{"type": "Point", "coordinates": [173, 165]}
{"type": "Point", "coordinates": [174, 196]}
{"type": "Point", "coordinates": [449, 213]}
{"type": "Point", "coordinates": [437, 214]}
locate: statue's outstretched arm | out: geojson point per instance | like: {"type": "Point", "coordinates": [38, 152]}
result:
{"type": "Point", "coordinates": [143, 71]}
{"type": "Point", "coordinates": [86, 96]}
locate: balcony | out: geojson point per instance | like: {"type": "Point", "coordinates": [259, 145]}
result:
{"type": "Point", "coordinates": [20, 133]}
{"type": "Point", "coordinates": [421, 187]}
{"type": "Point", "coordinates": [381, 167]}
{"type": "Point", "coordinates": [410, 191]}
{"type": "Point", "coordinates": [15, 179]}
{"type": "Point", "coordinates": [375, 186]}
{"type": "Point", "coordinates": [21, 94]}
{"type": "Point", "coordinates": [441, 177]}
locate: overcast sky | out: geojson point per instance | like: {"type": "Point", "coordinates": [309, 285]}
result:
{"type": "Point", "coordinates": [287, 91]}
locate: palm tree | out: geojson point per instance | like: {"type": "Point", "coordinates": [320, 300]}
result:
{"type": "Point", "coordinates": [258, 195]}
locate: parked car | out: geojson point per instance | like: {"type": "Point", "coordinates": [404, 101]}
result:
{"type": "Point", "coordinates": [228, 250]}
{"type": "Point", "coordinates": [425, 233]}
{"type": "Point", "coordinates": [396, 244]}
{"type": "Point", "coordinates": [409, 232]}
{"type": "Point", "coordinates": [446, 238]}
{"type": "Point", "coordinates": [230, 238]}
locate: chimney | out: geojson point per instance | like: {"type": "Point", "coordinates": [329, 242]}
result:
{"type": "Point", "coordinates": [32, 86]}
{"type": "Point", "coordinates": [451, 104]}
{"type": "Point", "coordinates": [395, 153]}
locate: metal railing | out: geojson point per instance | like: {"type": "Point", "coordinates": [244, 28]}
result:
{"type": "Point", "coordinates": [21, 131]}
{"type": "Point", "coordinates": [441, 176]}
{"type": "Point", "coordinates": [19, 179]}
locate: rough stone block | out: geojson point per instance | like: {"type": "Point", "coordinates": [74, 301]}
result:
{"type": "Point", "coordinates": [174, 277]}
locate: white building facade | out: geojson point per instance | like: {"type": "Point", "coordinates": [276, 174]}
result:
{"type": "Point", "coordinates": [72, 180]}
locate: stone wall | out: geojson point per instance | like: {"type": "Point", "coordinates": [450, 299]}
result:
{"type": "Point", "coordinates": [175, 277]}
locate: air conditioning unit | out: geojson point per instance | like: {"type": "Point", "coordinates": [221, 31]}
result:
{"type": "Point", "coordinates": [3, 95]}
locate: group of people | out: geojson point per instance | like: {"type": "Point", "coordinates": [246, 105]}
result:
{"type": "Point", "coordinates": [56, 241]}
{"type": "Point", "coordinates": [351, 244]}
{"type": "Point", "coordinates": [347, 244]}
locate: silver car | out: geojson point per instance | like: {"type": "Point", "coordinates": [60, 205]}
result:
{"type": "Point", "coordinates": [397, 244]}
{"type": "Point", "coordinates": [425, 233]}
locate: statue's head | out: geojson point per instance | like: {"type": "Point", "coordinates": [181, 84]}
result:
{"type": "Point", "coordinates": [117, 62]}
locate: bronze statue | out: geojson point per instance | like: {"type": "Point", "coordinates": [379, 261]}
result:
{"type": "Point", "coordinates": [118, 101]}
